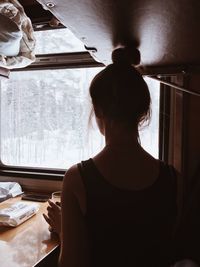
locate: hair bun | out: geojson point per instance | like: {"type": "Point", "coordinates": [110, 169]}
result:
{"type": "Point", "coordinates": [126, 55]}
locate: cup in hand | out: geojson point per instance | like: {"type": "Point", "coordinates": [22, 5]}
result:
{"type": "Point", "coordinates": [56, 196]}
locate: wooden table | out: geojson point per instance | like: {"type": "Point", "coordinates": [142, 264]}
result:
{"type": "Point", "coordinates": [28, 243]}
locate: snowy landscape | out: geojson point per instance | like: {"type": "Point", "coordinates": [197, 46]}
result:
{"type": "Point", "coordinates": [45, 113]}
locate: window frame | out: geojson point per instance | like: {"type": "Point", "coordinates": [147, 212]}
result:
{"type": "Point", "coordinates": [68, 61]}
{"type": "Point", "coordinates": [164, 121]}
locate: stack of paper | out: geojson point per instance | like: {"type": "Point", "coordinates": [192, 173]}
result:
{"type": "Point", "coordinates": [17, 213]}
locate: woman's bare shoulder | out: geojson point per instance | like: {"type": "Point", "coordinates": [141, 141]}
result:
{"type": "Point", "coordinates": [73, 184]}
{"type": "Point", "coordinates": [70, 177]}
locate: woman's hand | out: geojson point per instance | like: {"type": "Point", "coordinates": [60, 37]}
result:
{"type": "Point", "coordinates": [53, 218]}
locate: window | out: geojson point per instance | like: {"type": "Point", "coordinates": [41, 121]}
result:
{"type": "Point", "coordinates": [57, 41]}
{"type": "Point", "coordinates": [45, 118]}
{"type": "Point", "coordinates": [45, 113]}
{"type": "Point", "coordinates": [149, 135]}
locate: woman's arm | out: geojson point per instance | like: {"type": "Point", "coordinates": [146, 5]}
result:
{"type": "Point", "coordinates": [74, 238]}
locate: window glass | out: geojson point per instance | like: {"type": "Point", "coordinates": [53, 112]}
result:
{"type": "Point", "coordinates": [45, 119]}
{"type": "Point", "coordinates": [149, 134]}
{"type": "Point", "coordinates": [57, 41]}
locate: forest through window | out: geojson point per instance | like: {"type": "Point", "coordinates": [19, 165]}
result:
{"type": "Point", "coordinates": [45, 119]}
{"type": "Point", "coordinates": [45, 113]}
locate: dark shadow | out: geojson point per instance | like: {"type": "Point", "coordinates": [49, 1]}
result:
{"type": "Point", "coordinates": [51, 260]}
{"type": "Point", "coordinates": [124, 26]}
{"type": "Point", "coordinates": [188, 233]}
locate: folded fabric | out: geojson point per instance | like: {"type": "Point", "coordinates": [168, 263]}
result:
{"type": "Point", "coordinates": [10, 37]}
{"type": "Point", "coordinates": [17, 42]}
{"type": "Point", "coordinates": [9, 189]}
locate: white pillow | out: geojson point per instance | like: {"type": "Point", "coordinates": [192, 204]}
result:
{"type": "Point", "coordinates": [10, 37]}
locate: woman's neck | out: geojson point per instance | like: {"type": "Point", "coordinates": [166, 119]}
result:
{"type": "Point", "coordinates": [121, 138]}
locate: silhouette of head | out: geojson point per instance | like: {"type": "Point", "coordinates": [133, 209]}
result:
{"type": "Point", "coordinates": [120, 91]}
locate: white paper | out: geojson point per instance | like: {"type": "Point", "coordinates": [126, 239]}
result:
{"type": "Point", "coordinates": [17, 213]}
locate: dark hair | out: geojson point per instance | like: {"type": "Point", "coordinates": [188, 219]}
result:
{"type": "Point", "coordinates": [120, 90]}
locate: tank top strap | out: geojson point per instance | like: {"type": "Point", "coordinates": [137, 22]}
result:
{"type": "Point", "coordinates": [170, 173]}
{"type": "Point", "coordinates": [88, 174]}
{"type": "Point", "coordinates": [94, 181]}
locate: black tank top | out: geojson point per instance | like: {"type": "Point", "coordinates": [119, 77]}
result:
{"type": "Point", "coordinates": [129, 227]}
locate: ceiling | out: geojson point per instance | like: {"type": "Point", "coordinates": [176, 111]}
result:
{"type": "Point", "coordinates": [166, 32]}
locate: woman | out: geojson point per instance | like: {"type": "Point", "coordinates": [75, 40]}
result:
{"type": "Point", "coordinates": [118, 208]}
